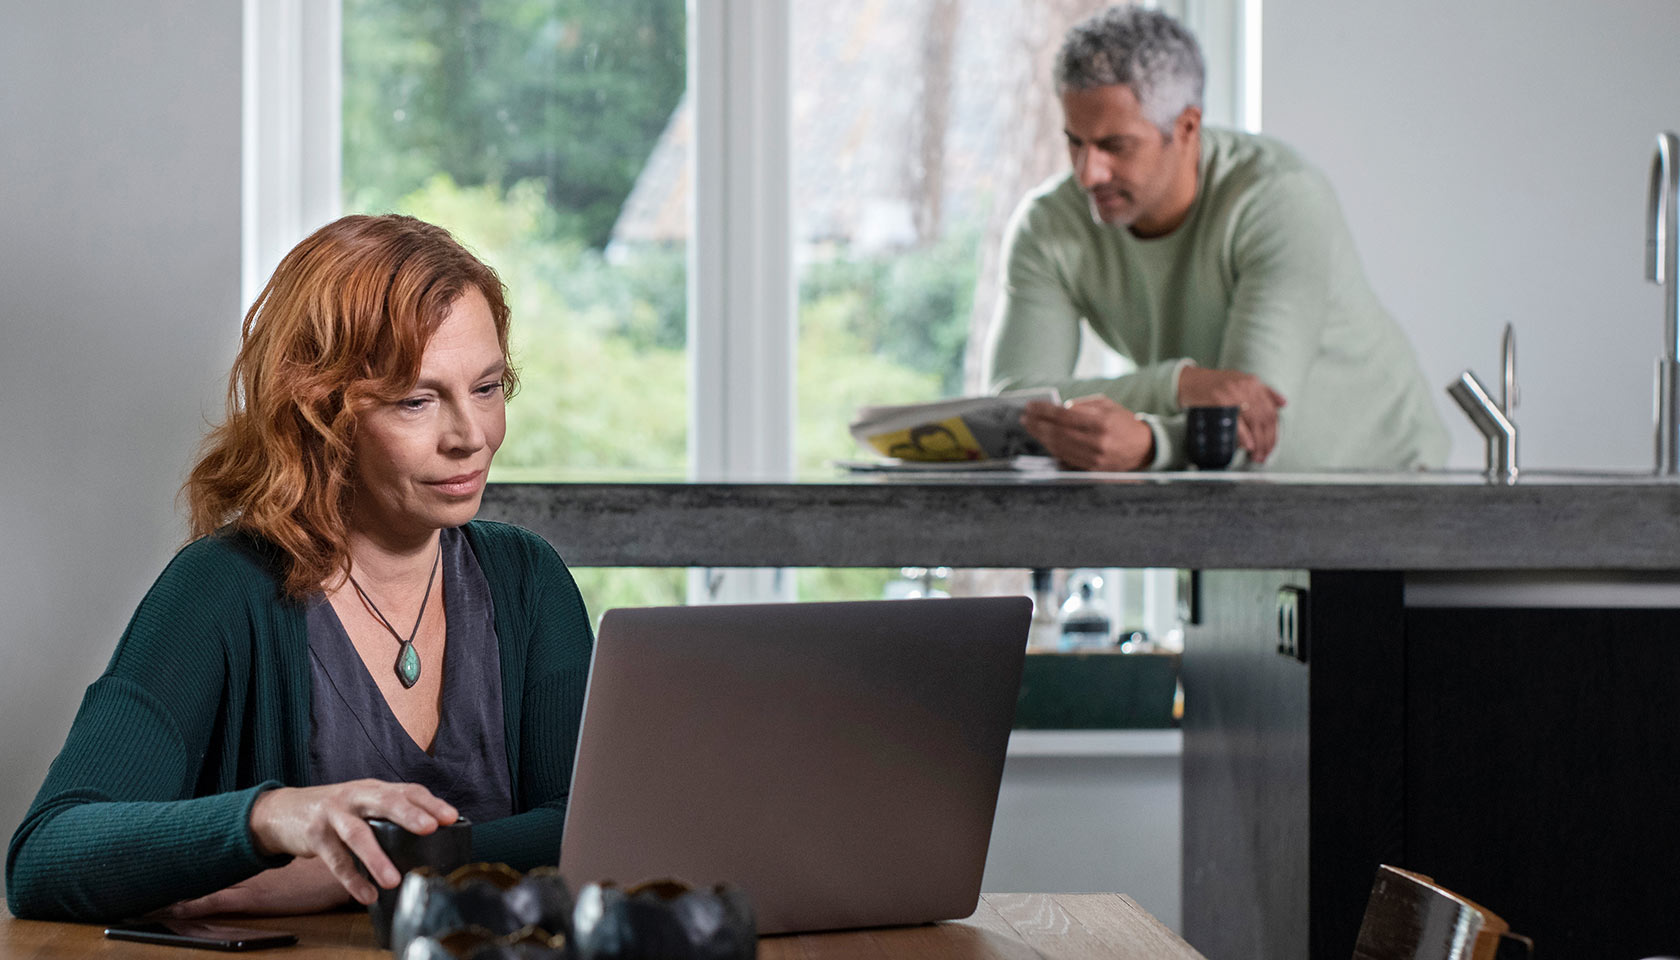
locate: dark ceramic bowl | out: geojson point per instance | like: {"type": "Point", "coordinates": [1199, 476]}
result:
{"type": "Point", "coordinates": [479, 944]}
{"type": "Point", "coordinates": [663, 920]}
{"type": "Point", "coordinates": [490, 897]}
{"type": "Point", "coordinates": [442, 850]}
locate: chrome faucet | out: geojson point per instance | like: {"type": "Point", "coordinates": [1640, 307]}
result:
{"type": "Point", "coordinates": [1662, 266]}
{"type": "Point", "coordinates": [1494, 419]}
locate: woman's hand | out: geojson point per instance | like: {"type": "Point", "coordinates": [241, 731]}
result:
{"type": "Point", "coordinates": [329, 823]}
{"type": "Point", "coordinates": [305, 885]}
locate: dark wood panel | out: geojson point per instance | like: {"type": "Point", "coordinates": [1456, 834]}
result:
{"type": "Point", "coordinates": [1357, 767]}
{"type": "Point", "coordinates": [1543, 753]}
{"type": "Point", "coordinates": [1245, 775]}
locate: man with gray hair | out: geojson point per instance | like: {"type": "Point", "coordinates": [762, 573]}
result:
{"type": "Point", "coordinates": [1217, 262]}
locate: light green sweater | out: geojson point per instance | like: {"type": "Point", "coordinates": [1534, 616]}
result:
{"type": "Point", "coordinates": [206, 703]}
{"type": "Point", "coordinates": [1262, 277]}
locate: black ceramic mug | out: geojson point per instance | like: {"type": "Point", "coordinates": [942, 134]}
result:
{"type": "Point", "coordinates": [443, 850]}
{"type": "Point", "coordinates": [1210, 436]}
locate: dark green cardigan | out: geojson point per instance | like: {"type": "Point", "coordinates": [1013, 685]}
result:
{"type": "Point", "coordinates": [206, 702]}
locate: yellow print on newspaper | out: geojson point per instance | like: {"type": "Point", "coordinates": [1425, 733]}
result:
{"type": "Point", "coordinates": [946, 440]}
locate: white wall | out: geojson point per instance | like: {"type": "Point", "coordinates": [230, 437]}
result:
{"type": "Point", "coordinates": [119, 304]}
{"type": "Point", "coordinates": [1492, 159]}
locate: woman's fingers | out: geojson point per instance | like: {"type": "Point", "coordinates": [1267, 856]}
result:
{"type": "Point", "coordinates": [406, 810]}
{"type": "Point", "coordinates": [204, 906]}
{"type": "Point", "coordinates": [306, 885]}
{"type": "Point", "coordinates": [341, 861]}
{"type": "Point", "coordinates": [330, 822]}
{"type": "Point", "coordinates": [408, 805]}
{"type": "Point", "coordinates": [417, 810]}
{"type": "Point", "coordinates": [356, 838]}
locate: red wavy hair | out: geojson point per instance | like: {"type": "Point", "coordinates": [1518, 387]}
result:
{"type": "Point", "coordinates": [342, 324]}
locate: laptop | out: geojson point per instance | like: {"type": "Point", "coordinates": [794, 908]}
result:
{"type": "Point", "coordinates": [839, 762]}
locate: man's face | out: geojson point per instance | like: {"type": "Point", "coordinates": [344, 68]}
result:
{"type": "Point", "coordinates": [1126, 165]}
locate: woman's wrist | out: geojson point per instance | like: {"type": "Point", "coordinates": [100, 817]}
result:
{"type": "Point", "coordinates": [261, 822]}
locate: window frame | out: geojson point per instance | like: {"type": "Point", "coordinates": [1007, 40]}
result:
{"type": "Point", "coordinates": [291, 129]}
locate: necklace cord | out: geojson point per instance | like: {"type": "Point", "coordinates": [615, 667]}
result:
{"type": "Point", "coordinates": [423, 601]}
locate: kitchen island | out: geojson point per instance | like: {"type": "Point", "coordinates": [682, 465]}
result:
{"type": "Point", "coordinates": [1474, 682]}
{"type": "Point", "coordinates": [1351, 521]}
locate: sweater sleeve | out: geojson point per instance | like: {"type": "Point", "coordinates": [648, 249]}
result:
{"type": "Point", "coordinates": [1283, 253]}
{"type": "Point", "coordinates": [1034, 339]}
{"type": "Point", "coordinates": [557, 646]}
{"type": "Point", "coordinates": [117, 829]}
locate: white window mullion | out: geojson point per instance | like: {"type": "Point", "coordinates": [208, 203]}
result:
{"type": "Point", "coordinates": [1251, 34]}
{"type": "Point", "coordinates": [291, 129]}
{"type": "Point", "coordinates": [741, 294]}
{"type": "Point", "coordinates": [1223, 28]}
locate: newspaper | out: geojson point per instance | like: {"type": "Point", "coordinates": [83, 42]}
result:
{"type": "Point", "coordinates": [959, 429]}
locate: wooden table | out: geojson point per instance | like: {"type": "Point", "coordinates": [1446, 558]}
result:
{"type": "Point", "coordinates": [1008, 926]}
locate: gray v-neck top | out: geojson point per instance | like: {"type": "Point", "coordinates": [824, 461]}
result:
{"type": "Point", "coordinates": [355, 733]}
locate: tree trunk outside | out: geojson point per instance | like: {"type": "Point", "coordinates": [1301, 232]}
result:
{"type": "Point", "coordinates": [938, 48]}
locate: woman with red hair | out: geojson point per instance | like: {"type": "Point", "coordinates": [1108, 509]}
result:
{"type": "Point", "coordinates": [342, 640]}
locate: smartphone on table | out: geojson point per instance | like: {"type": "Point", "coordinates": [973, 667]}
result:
{"type": "Point", "coordinates": [206, 936]}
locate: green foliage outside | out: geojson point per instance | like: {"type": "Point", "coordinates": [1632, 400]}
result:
{"type": "Point", "coordinates": [570, 93]}
{"type": "Point", "coordinates": [520, 125]}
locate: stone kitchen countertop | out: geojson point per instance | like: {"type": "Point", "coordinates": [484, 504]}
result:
{"type": "Point", "coordinates": [1360, 521]}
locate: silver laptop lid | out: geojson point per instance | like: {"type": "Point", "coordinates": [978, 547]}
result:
{"type": "Point", "coordinates": [838, 761]}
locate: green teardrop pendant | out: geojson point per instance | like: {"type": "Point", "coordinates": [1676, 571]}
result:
{"type": "Point", "coordinates": [408, 666]}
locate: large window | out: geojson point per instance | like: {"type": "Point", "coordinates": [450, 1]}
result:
{"type": "Point", "coordinates": [723, 225]}
{"type": "Point", "coordinates": [540, 133]}
{"type": "Point", "coordinates": [527, 128]}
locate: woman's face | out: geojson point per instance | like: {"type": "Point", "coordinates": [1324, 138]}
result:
{"type": "Point", "coordinates": [421, 461]}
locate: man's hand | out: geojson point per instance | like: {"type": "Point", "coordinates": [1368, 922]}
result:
{"type": "Point", "coordinates": [1091, 433]}
{"type": "Point", "coordinates": [329, 823]}
{"type": "Point", "coordinates": [306, 885]}
{"type": "Point", "coordinates": [1257, 404]}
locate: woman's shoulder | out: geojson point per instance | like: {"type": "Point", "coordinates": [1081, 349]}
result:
{"type": "Point", "coordinates": [509, 537]}
{"type": "Point", "coordinates": [228, 559]}
{"type": "Point", "coordinates": [528, 580]}
{"type": "Point", "coordinates": [210, 587]}
{"type": "Point", "coordinates": [507, 550]}
{"type": "Point", "coordinates": [497, 532]}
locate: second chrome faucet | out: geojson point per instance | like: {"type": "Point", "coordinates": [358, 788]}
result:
{"type": "Point", "coordinates": [1494, 419]}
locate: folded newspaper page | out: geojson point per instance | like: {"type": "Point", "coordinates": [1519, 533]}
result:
{"type": "Point", "coordinates": [963, 428]}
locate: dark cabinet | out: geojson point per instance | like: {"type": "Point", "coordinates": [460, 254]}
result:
{"type": "Point", "coordinates": [1543, 771]}
{"type": "Point", "coordinates": [1525, 757]}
